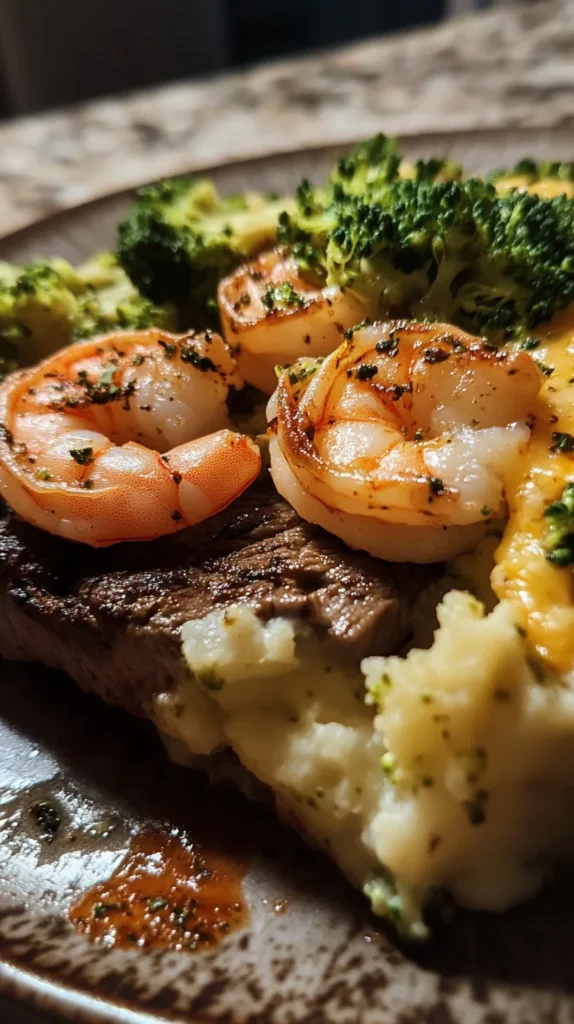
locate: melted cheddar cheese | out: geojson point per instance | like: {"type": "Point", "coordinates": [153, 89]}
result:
{"type": "Point", "coordinates": [542, 594]}
{"type": "Point", "coordinates": [547, 188]}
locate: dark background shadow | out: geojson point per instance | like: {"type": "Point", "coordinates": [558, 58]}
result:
{"type": "Point", "coordinates": [67, 51]}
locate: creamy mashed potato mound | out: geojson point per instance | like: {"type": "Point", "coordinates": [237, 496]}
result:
{"type": "Point", "coordinates": [455, 776]}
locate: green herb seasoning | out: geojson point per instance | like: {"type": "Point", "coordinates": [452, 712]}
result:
{"type": "Point", "coordinates": [169, 348]}
{"type": "Point", "coordinates": [476, 807]}
{"type": "Point", "coordinates": [435, 354]}
{"type": "Point", "coordinates": [83, 456]}
{"type": "Point", "coordinates": [436, 485]}
{"type": "Point", "coordinates": [157, 903]}
{"type": "Point", "coordinates": [366, 371]}
{"type": "Point", "coordinates": [281, 296]}
{"type": "Point", "coordinates": [388, 347]}
{"type": "Point", "coordinates": [562, 442]}
{"type": "Point", "coordinates": [105, 909]}
{"type": "Point", "coordinates": [104, 390]}
{"type": "Point", "coordinates": [189, 354]}
{"type": "Point", "coordinates": [529, 344]}
{"type": "Point", "coordinates": [47, 819]}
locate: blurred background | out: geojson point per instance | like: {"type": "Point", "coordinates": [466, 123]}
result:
{"type": "Point", "coordinates": [55, 52]}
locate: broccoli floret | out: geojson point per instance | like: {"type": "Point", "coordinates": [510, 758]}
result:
{"type": "Point", "coordinates": [371, 165]}
{"type": "Point", "coordinates": [525, 272]}
{"type": "Point", "coordinates": [435, 170]}
{"type": "Point", "coordinates": [559, 539]}
{"type": "Point", "coordinates": [48, 304]}
{"type": "Point", "coordinates": [375, 163]}
{"type": "Point", "coordinates": [452, 250]}
{"type": "Point", "coordinates": [108, 301]}
{"type": "Point", "coordinates": [181, 237]}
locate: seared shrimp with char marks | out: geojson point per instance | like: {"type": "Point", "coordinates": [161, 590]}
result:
{"type": "Point", "coordinates": [82, 432]}
{"type": "Point", "coordinates": [399, 441]}
{"type": "Point", "coordinates": [271, 316]}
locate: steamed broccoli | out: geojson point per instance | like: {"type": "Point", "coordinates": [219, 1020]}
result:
{"type": "Point", "coordinates": [449, 250]}
{"type": "Point", "coordinates": [181, 237]}
{"type": "Point", "coordinates": [371, 165]}
{"type": "Point", "coordinates": [559, 539]}
{"type": "Point", "coordinates": [376, 163]}
{"type": "Point", "coordinates": [47, 304]}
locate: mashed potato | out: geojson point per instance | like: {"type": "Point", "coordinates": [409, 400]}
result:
{"type": "Point", "coordinates": [455, 775]}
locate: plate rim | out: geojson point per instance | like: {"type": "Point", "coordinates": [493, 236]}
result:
{"type": "Point", "coordinates": [207, 168]}
{"type": "Point", "coordinates": [40, 993]}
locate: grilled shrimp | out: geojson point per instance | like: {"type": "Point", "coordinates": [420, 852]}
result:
{"type": "Point", "coordinates": [272, 316]}
{"type": "Point", "coordinates": [399, 441]}
{"type": "Point", "coordinates": [81, 436]}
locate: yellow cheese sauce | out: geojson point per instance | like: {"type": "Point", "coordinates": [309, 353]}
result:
{"type": "Point", "coordinates": [543, 595]}
{"type": "Point", "coordinates": [547, 188]}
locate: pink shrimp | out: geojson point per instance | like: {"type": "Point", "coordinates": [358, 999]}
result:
{"type": "Point", "coordinates": [82, 432]}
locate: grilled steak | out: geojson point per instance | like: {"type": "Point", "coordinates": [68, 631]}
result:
{"type": "Point", "coordinates": [111, 617]}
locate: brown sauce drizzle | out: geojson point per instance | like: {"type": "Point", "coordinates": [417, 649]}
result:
{"type": "Point", "coordinates": [168, 892]}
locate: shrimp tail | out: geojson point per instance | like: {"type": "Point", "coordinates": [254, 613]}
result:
{"type": "Point", "coordinates": [212, 472]}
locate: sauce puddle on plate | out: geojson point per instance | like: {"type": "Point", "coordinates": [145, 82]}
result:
{"type": "Point", "coordinates": [167, 892]}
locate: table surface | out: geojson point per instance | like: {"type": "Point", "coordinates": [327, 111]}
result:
{"type": "Point", "coordinates": [511, 67]}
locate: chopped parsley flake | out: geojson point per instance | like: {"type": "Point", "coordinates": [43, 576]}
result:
{"type": "Point", "coordinates": [83, 456]}
{"type": "Point", "coordinates": [435, 354]}
{"type": "Point", "coordinates": [47, 819]}
{"type": "Point", "coordinates": [209, 678]}
{"type": "Point", "coordinates": [168, 347]}
{"type": "Point", "coordinates": [436, 485]}
{"type": "Point", "coordinates": [529, 344]}
{"type": "Point", "coordinates": [281, 296]}
{"type": "Point", "coordinates": [157, 903]}
{"type": "Point", "coordinates": [562, 442]}
{"type": "Point", "coordinates": [388, 347]}
{"type": "Point", "coordinates": [366, 371]}
{"type": "Point", "coordinates": [189, 354]}
{"type": "Point", "coordinates": [359, 327]}
{"type": "Point", "coordinates": [104, 390]}
{"type": "Point", "coordinates": [104, 909]}
{"type": "Point", "coordinates": [476, 807]}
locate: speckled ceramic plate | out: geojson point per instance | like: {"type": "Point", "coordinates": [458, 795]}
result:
{"type": "Point", "coordinates": [310, 950]}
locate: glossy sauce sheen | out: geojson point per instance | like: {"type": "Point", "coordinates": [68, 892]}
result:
{"type": "Point", "coordinates": [167, 892]}
{"type": "Point", "coordinates": [543, 595]}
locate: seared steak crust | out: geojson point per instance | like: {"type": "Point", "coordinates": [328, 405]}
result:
{"type": "Point", "coordinates": [111, 617]}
